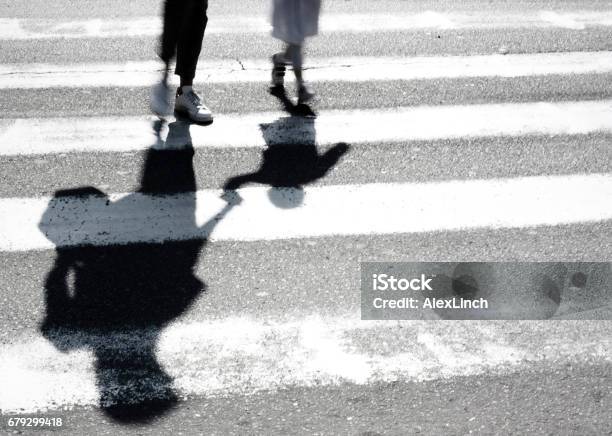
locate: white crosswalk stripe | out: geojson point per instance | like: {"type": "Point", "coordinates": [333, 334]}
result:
{"type": "Point", "coordinates": [23, 29]}
{"type": "Point", "coordinates": [355, 69]}
{"type": "Point", "coordinates": [47, 136]}
{"type": "Point", "coordinates": [27, 224]}
{"type": "Point", "coordinates": [241, 355]}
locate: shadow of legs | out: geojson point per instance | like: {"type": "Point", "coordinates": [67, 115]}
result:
{"type": "Point", "coordinates": [133, 386]}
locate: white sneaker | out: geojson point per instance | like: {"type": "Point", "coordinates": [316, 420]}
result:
{"type": "Point", "coordinates": [160, 99]}
{"type": "Point", "coordinates": [189, 104]}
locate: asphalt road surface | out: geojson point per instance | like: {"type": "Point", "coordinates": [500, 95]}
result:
{"type": "Point", "coordinates": [135, 300]}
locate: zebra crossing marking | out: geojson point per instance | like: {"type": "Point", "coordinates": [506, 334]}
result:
{"type": "Point", "coordinates": [43, 223]}
{"type": "Point", "coordinates": [339, 69]}
{"type": "Point", "coordinates": [32, 28]}
{"type": "Point", "coordinates": [32, 136]}
{"type": "Point", "coordinates": [241, 355]}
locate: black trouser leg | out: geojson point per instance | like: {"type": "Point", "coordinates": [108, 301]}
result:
{"type": "Point", "coordinates": [184, 25]}
{"type": "Point", "coordinates": [173, 13]}
{"type": "Point", "coordinates": [190, 39]}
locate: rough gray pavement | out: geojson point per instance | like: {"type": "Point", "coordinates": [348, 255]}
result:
{"type": "Point", "coordinates": [563, 388]}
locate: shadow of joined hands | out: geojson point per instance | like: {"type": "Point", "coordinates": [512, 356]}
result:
{"type": "Point", "coordinates": [290, 161]}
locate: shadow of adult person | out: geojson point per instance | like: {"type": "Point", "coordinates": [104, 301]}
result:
{"type": "Point", "coordinates": [116, 299]}
{"type": "Point", "coordinates": [290, 161]}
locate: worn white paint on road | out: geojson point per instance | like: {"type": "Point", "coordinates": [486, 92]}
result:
{"type": "Point", "coordinates": [369, 209]}
{"type": "Point", "coordinates": [27, 28]}
{"type": "Point", "coordinates": [349, 69]}
{"type": "Point", "coordinates": [243, 355]}
{"type": "Point", "coordinates": [31, 136]}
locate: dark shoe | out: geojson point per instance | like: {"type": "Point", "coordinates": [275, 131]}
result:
{"type": "Point", "coordinates": [305, 94]}
{"type": "Point", "coordinates": [278, 71]}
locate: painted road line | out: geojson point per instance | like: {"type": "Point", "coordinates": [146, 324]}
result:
{"type": "Point", "coordinates": [28, 28]}
{"type": "Point", "coordinates": [350, 69]}
{"type": "Point", "coordinates": [44, 223]}
{"type": "Point", "coordinates": [29, 136]}
{"type": "Point", "coordinates": [241, 356]}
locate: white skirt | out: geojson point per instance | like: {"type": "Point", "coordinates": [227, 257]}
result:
{"type": "Point", "coordinates": [294, 20]}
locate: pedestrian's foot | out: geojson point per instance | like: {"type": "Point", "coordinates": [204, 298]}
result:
{"type": "Point", "coordinates": [278, 70]}
{"type": "Point", "coordinates": [160, 99]}
{"type": "Point", "coordinates": [278, 91]}
{"type": "Point", "coordinates": [190, 105]}
{"type": "Point", "coordinates": [305, 94]}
